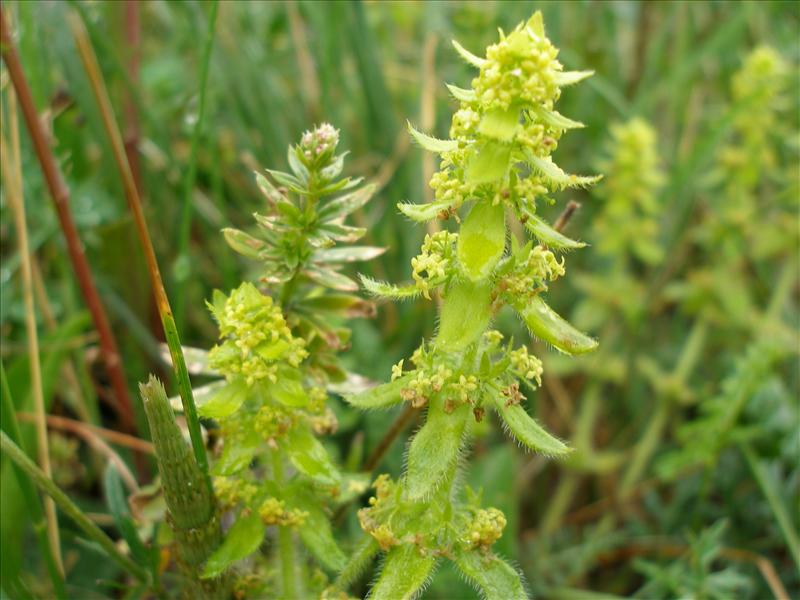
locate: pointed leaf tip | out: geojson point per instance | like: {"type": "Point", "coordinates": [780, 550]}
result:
{"type": "Point", "coordinates": [431, 143]}
{"type": "Point", "coordinates": [468, 56]}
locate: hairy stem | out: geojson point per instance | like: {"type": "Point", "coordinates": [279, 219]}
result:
{"type": "Point", "coordinates": [286, 549]}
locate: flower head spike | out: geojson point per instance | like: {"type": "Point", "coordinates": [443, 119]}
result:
{"type": "Point", "coordinates": [318, 145]}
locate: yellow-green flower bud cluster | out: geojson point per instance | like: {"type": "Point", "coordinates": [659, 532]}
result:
{"type": "Point", "coordinates": [255, 337]}
{"type": "Point", "coordinates": [274, 512]}
{"type": "Point", "coordinates": [532, 272]}
{"type": "Point", "coordinates": [486, 528]}
{"type": "Point", "coordinates": [540, 139]}
{"type": "Point", "coordinates": [629, 219]}
{"type": "Point", "coordinates": [758, 97]}
{"type": "Point", "coordinates": [273, 420]}
{"type": "Point", "coordinates": [527, 365]}
{"type": "Point", "coordinates": [464, 123]}
{"type": "Point", "coordinates": [521, 67]}
{"type": "Point", "coordinates": [370, 518]}
{"type": "Point", "coordinates": [430, 267]}
{"type": "Point", "coordinates": [425, 383]}
{"type": "Point", "coordinates": [234, 491]}
{"type": "Point", "coordinates": [449, 187]}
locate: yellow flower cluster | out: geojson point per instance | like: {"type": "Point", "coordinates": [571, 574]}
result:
{"type": "Point", "coordinates": [255, 336]}
{"type": "Point", "coordinates": [425, 383]}
{"type": "Point", "coordinates": [234, 491]}
{"type": "Point", "coordinates": [529, 366]}
{"type": "Point", "coordinates": [273, 512]}
{"type": "Point", "coordinates": [429, 268]}
{"type": "Point", "coordinates": [521, 67]}
{"type": "Point", "coordinates": [532, 272]}
{"type": "Point", "coordinates": [486, 528]}
{"type": "Point", "coordinates": [629, 220]}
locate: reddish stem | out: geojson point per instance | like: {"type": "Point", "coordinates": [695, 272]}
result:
{"type": "Point", "coordinates": [60, 195]}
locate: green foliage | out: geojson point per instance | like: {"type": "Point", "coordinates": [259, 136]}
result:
{"type": "Point", "coordinates": [507, 122]}
{"type": "Point", "coordinates": [684, 417]}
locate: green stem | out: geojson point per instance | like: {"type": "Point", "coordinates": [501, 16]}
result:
{"type": "Point", "coordinates": [191, 173]}
{"type": "Point", "coordinates": [560, 502]}
{"type": "Point", "coordinates": [89, 60]}
{"type": "Point", "coordinates": [11, 428]}
{"type": "Point", "coordinates": [775, 502]}
{"type": "Point", "coordinates": [645, 448]}
{"type": "Point", "coordinates": [359, 561]}
{"type": "Point", "coordinates": [45, 484]}
{"type": "Point", "coordinates": [285, 539]}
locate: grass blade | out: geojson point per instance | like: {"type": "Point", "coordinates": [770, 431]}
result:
{"type": "Point", "coordinates": [46, 485]}
{"type": "Point", "coordinates": [183, 264]}
{"type": "Point", "coordinates": [89, 61]}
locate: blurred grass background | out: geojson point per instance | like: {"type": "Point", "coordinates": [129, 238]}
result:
{"type": "Point", "coordinates": [277, 68]}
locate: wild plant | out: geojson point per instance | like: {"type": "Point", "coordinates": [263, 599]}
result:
{"type": "Point", "coordinates": [496, 166]}
{"type": "Point", "coordinates": [628, 248]}
{"type": "Point", "coordinates": [278, 353]}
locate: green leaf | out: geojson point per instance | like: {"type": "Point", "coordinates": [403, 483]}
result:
{"type": "Point", "coordinates": [435, 448]}
{"type": "Point", "coordinates": [557, 176]}
{"type": "Point", "coordinates": [202, 394]}
{"type": "Point", "coordinates": [555, 119]}
{"type": "Point", "coordinates": [430, 143]}
{"type": "Point", "coordinates": [309, 456]}
{"type": "Point", "coordinates": [334, 169]}
{"type": "Point", "coordinates": [243, 243]}
{"type": "Point", "coordinates": [343, 233]}
{"type": "Point", "coordinates": [388, 290]}
{"type": "Point", "coordinates": [270, 191]}
{"type": "Point", "coordinates": [492, 577]}
{"type": "Point", "coordinates": [348, 254]}
{"type": "Point", "coordinates": [288, 181]}
{"type": "Point", "coordinates": [405, 571]}
{"type": "Point", "coordinates": [547, 325]}
{"type": "Point", "coordinates": [344, 205]}
{"type": "Point", "coordinates": [546, 234]}
{"type": "Point", "coordinates": [461, 94]}
{"type": "Point", "coordinates": [316, 531]}
{"type": "Point", "coordinates": [331, 279]}
{"type": "Point", "coordinates": [239, 455]}
{"type": "Point", "coordinates": [225, 401]}
{"type": "Point", "coordinates": [466, 313]}
{"type": "Point", "coordinates": [488, 162]}
{"type": "Point", "coordinates": [343, 305]}
{"type": "Point", "coordinates": [468, 56]}
{"type": "Point", "coordinates": [500, 124]}
{"type": "Point", "coordinates": [382, 396]}
{"type": "Point", "coordinates": [565, 78]}
{"type": "Point", "coordinates": [525, 429]}
{"type": "Point", "coordinates": [288, 389]}
{"type": "Point", "coordinates": [118, 505]}
{"type": "Point", "coordinates": [422, 213]}
{"type": "Point", "coordinates": [482, 239]}
{"type": "Point", "coordinates": [242, 540]}
{"type": "Point", "coordinates": [298, 168]}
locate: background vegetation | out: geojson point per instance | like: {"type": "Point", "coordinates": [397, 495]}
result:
{"type": "Point", "coordinates": [685, 479]}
